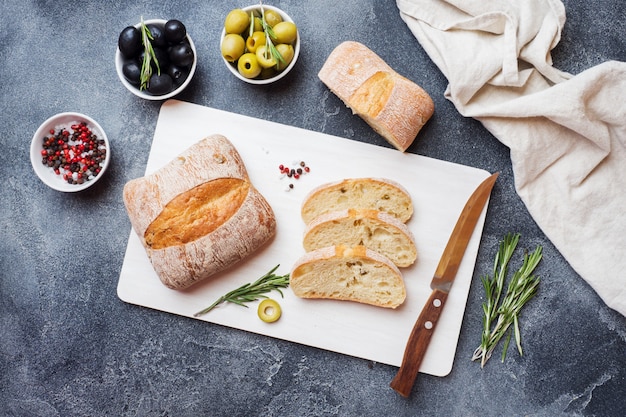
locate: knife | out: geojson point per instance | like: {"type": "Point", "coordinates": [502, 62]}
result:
{"type": "Point", "coordinates": [441, 283]}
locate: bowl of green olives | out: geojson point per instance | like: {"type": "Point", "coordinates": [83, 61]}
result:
{"type": "Point", "coordinates": [155, 59]}
{"type": "Point", "coordinates": [259, 44]}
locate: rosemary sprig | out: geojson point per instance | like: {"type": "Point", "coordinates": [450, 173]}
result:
{"type": "Point", "coordinates": [500, 316]}
{"type": "Point", "coordinates": [269, 35]}
{"type": "Point", "coordinates": [148, 57]}
{"type": "Point", "coordinates": [251, 291]}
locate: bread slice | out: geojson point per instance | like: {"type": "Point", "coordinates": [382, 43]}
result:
{"type": "Point", "coordinates": [376, 230]}
{"type": "Point", "coordinates": [198, 214]}
{"type": "Point", "coordinates": [358, 193]}
{"type": "Point", "coordinates": [394, 106]}
{"type": "Point", "coordinates": [350, 274]}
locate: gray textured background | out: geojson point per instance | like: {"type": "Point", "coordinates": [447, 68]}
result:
{"type": "Point", "coordinates": [70, 347]}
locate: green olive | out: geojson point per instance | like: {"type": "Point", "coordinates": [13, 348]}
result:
{"type": "Point", "coordinates": [265, 58]}
{"type": "Point", "coordinates": [253, 42]}
{"type": "Point", "coordinates": [269, 310]}
{"type": "Point", "coordinates": [258, 25]}
{"type": "Point", "coordinates": [232, 47]}
{"type": "Point", "coordinates": [272, 18]}
{"type": "Point", "coordinates": [236, 21]}
{"type": "Point", "coordinates": [286, 51]}
{"type": "Point", "coordinates": [248, 65]}
{"type": "Point", "coordinates": [285, 32]}
{"type": "Point", "coordinates": [267, 73]}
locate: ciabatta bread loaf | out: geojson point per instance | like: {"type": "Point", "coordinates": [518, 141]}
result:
{"type": "Point", "coordinates": [394, 106]}
{"type": "Point", "coordinates": [374, 229]}
{"type": "Point", "coordinates": [348, 273]}
{"type": "Point", "coordinates": [199, 214]}
{"type": "Point", "coordinates": [358, 193]}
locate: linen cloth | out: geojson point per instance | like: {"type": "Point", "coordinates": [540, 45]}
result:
{"type": "Point", "coordinates": [566, 133]}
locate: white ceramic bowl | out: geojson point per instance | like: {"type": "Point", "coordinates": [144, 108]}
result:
{"type": "Point", "coordinates": [119, 61]}
{"type": "Point", "coordinates": [46, 173]}
{"type": "Point", "coordinates": [232, 67]}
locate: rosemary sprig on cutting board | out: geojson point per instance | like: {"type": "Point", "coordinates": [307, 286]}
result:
{"type": "Point", "coordinates": [251, 291]}
{"type": "Point", "coordinates": [501, 314]}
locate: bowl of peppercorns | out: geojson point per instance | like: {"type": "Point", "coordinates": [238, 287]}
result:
{"type": "Point", "coordinates": [70, 152]}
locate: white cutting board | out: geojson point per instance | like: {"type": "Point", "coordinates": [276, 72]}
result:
{"type": "Point", "coordinates": [439, 190]}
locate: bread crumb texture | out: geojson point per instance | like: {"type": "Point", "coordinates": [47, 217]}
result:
{"type": "Point", "coordinates": [355, 240]}
{"type": "Point", "coordinates": [349, 273]}
{"type": "Point", "coordinates": [371, 228]}
{"type": "Point", "coordinates": [358, 193]}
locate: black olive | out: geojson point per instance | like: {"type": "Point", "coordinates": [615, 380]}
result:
{"type": "Point", "coordinates": [157, 34]}
{"type": "Point", "coordinates": [181, 55]}
{"type": "Point", "coordinates": [132, 71]}
{"type": "Point", "coordinates": [161, 56]}
{"type": "Point", "coordinates": [178, 74]}
{"type": "Point", "coordinates": [129, 42]}
{"type": "Point", "coordinates": [175, 31]}
{"type": "Point", "coordinates": [160, 84]}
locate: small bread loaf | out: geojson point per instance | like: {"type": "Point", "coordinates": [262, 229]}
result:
{"type": "Point", "coordinates": [358, 193]}
{"type": "Point", "coordinates": [376, 230]}
{"type": "Point", "coordinates": [199, 214]}
{"type": "Point", "coordinates": [395, 107]}
{"type": "Point", "coordinates": [348, 273]}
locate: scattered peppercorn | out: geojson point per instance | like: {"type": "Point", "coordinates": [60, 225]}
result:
{"type": "Point", "coordinates": [300, 169]}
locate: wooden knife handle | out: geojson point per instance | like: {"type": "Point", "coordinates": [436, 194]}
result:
{"type": "Point", "coordinates": [418, 343]}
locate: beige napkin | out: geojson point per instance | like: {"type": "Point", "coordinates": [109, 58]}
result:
{"type": "Point", "coordinates": [567, 134]}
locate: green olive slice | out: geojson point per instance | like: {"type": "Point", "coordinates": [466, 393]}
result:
{"type": "Point", "coordinates": [269, 310]}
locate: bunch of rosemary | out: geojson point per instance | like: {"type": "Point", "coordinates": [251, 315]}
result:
{"type": "Point", "coordinates": [499, 315]}
{"type": "Point", "coordinates": [149, 56]}
{"type": "Point", "coordinates": [251, 291]}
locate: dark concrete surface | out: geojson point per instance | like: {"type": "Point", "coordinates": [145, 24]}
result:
{"type": "Point", "coordinates": [70, 347]}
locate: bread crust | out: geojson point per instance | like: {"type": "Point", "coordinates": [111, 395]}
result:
{"type": "Point", "coordinates": [357, 193]}
{"type": "Point", "coordinates": [235, 235]}
{"type": "Point", "coordinates": [394, 106]}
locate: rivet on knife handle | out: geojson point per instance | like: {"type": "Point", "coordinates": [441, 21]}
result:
{"type": "Point", "coordinates": [441, 283]}
{"type": "Point", "coordinates": [418, 343]}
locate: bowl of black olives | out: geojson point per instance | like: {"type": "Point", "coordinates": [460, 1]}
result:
{"type": "Point", "coordinates": [155, 59]}
{"type": "Point", "coordinates": [260, 44]}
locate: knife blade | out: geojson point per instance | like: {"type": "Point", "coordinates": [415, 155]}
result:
{"type": "Point", "coordinates": [441, 283]}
